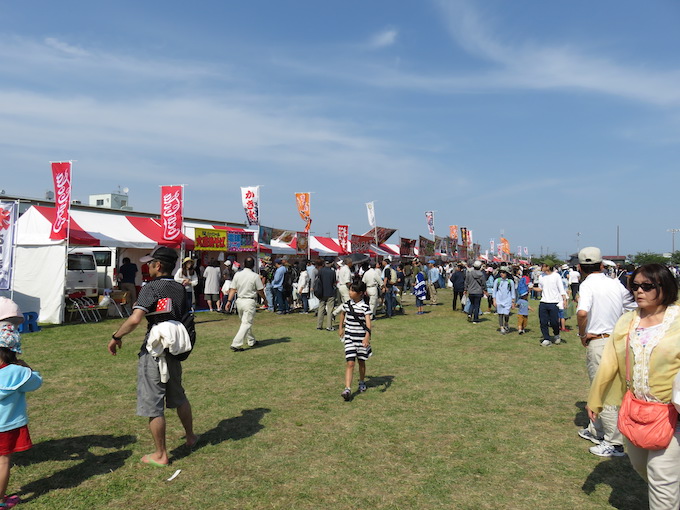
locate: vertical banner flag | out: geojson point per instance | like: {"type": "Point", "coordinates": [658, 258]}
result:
{"type": "Point", "coordinates": [250, 196]}
{"type": "Point", "coordinates": [172, 211]}
{"type": "Point", "coordinates": [370, 209]}
{"type": "Point", "coordinates": [8, 217]}
{"type": "Point", "coordinates": [519, 251]}
{"type": "Point", "coordinates": [61, 175]}
{"type": "Point", "coordinates": [429, 217]}
{"type": "Point", "coordinates": [526, 250]}
{"type": "Point", "coordinates": [492, 244]}
{"type": "Point", "coordinates": [304, 208]}
{"type": "Point", "coordinates": [505, 245]}
{"type": "Point", "coordinates": [343, 237]}
{"type": "Point", "coordinates": [469, 238]}
{"type": "Point", "coordinates": [453, 231]}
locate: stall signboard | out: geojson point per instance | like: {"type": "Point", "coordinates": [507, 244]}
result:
{"type": "Point", "coordinates": [302, 242]}
{"type": "Point", "coordinates": [382, 234]}
{"type": "Point", "coordinates": [210, 240]}
{"type": "Point", "coordinates": [265, 235]}
{"type": "Point", "coordinates": [407, 247]}
{"type": "Point", "coordinates": [426, 247]}
{"type": "Point", "coordinates": [240, 242]}
{"type": "Point", "coordinates": [361, 244]}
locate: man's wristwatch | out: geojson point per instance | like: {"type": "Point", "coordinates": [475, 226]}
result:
{"type": "Point", "coordinates": [116, 338]}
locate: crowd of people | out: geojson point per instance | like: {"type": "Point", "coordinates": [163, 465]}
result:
{"type": "Point", "coordinates": [628, 321]}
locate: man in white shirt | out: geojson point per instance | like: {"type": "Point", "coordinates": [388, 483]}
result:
{"type": "Point", "coordinates": [574, 282]}
{"type": "Point", "coordinates": [552, 292]}
{"type": "Point", "coordinates": [343, 283]}
{"type": "Point", "coordinates": [373, 282]}
{"type": "Point", "coordinates": [602, 301]}
{"type": "Point", "coordinates": [247, 285]}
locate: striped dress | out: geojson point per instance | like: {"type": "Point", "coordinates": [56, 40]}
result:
{"type": "Point", "coordinates": [355, 331]}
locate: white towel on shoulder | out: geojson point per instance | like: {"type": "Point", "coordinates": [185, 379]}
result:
{"type": "Point", "coordinates": [170, 335]}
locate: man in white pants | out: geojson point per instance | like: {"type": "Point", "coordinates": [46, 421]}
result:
{"type": "Point", "coordinates": [602, 301]}
{"type": "Point", "coordinates": [247, 285]}
{"type": "Point", "coordinates": [344, 281]}
{"type": "Point", "coordinates": [373, 282]}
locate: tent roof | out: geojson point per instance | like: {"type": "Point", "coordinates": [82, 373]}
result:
{"type": "Point", "coordinates": [326, 246]}
{"type": "Point", "coordinates": [88, 228]}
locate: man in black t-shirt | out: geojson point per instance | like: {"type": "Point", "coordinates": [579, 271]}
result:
{"type": "Point", "coordinates": [162, 299]}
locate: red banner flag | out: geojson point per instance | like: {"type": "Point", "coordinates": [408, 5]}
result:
{"type": "Point", "coordinates": [172, 204]}
{"type": "Point", "coordinates": [61, 174]}
{"type": "Point", "coordinates": [343, 237]}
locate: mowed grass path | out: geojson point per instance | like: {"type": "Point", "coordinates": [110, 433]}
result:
{"type": "Point", "coordinates": [455, 416]}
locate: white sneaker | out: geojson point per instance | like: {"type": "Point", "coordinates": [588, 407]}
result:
{"type": "Point", "coordinates": [557, 339]}
{"type": "Point", "coordinates": [586, 434]}
{"type": "Point", "coordinates": [546, 343]}
{"type": "Point", "coordinates": [605, 449]}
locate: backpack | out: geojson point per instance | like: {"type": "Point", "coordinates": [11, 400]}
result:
{"type": "Point", "coordinates": [522, 287]}
{"type": "Point", "coordinates": [188, 321]}
{"type": "Point", "coordinates": [392, 278]}
{"type": "Point", "coordinates": [288, 280]}
{"type": "Point", "coordinates": [318, 287]}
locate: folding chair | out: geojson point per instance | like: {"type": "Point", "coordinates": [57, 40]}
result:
{"type": "Point", "coordinates": [119, 298]}
{"type": "Point", "coordinates": [74, 305]}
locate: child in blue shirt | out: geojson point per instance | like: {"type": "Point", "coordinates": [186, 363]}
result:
{"type": "Point", "coordinates": [16, 378]}
{"type": "Point", "coordinates": [523, 310]}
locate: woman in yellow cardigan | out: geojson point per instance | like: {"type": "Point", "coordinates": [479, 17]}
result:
{"type": "Point", "coordinates": [654, 357]}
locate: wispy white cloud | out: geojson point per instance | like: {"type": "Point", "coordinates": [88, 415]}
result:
{"type": "Point", "coordinates": [23, 57]}
{"type": "Point", "coordinates": [529, 66]}
{"type": "Point", "coordinates": [383, 39]}
{"type": "Point", "coordinates": [504, 65]}
{"type": "Point", "coordinates": [65, 47]}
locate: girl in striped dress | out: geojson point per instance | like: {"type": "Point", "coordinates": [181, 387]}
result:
{"type": "Point", "coordinates": [355, 331]}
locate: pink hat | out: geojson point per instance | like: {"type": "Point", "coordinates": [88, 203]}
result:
{"type": "Point", "coordinates": [9, 311]}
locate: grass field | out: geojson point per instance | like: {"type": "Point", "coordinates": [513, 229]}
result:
{"type": "Point", "coordinates": [455, 416]}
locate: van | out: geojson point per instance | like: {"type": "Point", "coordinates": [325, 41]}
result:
{"type": "Point", "coordinates": [81, 272]}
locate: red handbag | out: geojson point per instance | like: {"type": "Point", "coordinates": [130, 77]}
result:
{"type": "Point", "coordinates": [648, 425]}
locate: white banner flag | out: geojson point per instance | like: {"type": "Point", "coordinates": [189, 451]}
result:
{"type": "Point", "coordinates": [8, 217]}
{"type": "Point", "coordinates": [429, 217]}
{"type": "Point", "coordinates": [370, 209]}
{"type": "Point", "coordinates": [251, 204]}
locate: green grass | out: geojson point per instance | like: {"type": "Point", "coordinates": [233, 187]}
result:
{"type": "Point", "coordinates": [456, 416]}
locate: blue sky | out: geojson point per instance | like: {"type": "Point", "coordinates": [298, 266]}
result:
{"type": "Point", "coordinates": [544, 120]}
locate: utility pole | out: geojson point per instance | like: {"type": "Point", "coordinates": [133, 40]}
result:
{"type": "Point", "coordinates": [673, 231]}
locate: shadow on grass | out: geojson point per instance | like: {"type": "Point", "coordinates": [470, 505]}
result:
{"type": "Point", "coordinates": [236, 428]}
{"type": "Point", "coordinates": [272, 341]}
{"type": "Point", "coordinates": [629, 491]}
{"type": "Point", "coordinates": [70, 449]}
{"type": "Point", "coordinates": [382, 380]}
{"type": "Point", "coordinates": [581, 419]}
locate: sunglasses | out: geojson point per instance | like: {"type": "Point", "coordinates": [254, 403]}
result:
{"type": "Point", "coordinates": [644, 286]}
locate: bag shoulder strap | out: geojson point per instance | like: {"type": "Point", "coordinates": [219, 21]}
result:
{"type": "Point", "coordinates": [353, 313]}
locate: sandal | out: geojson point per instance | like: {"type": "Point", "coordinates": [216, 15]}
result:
{"type": "Point", "coordinates": [10, 501]}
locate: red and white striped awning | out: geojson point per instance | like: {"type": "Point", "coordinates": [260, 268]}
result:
{"type": "Point", "coordinates": [92, 228]}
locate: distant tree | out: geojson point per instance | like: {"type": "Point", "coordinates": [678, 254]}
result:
{"type": "Point", "coordinates": [551, 259]}
{"type": "Point", "coordinates": [675, 258]}
{"type": "Point", "coordinates": [646, 257]}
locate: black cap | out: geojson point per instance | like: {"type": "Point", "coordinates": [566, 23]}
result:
{"type": "Point", "coordinates": [162, 253]}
